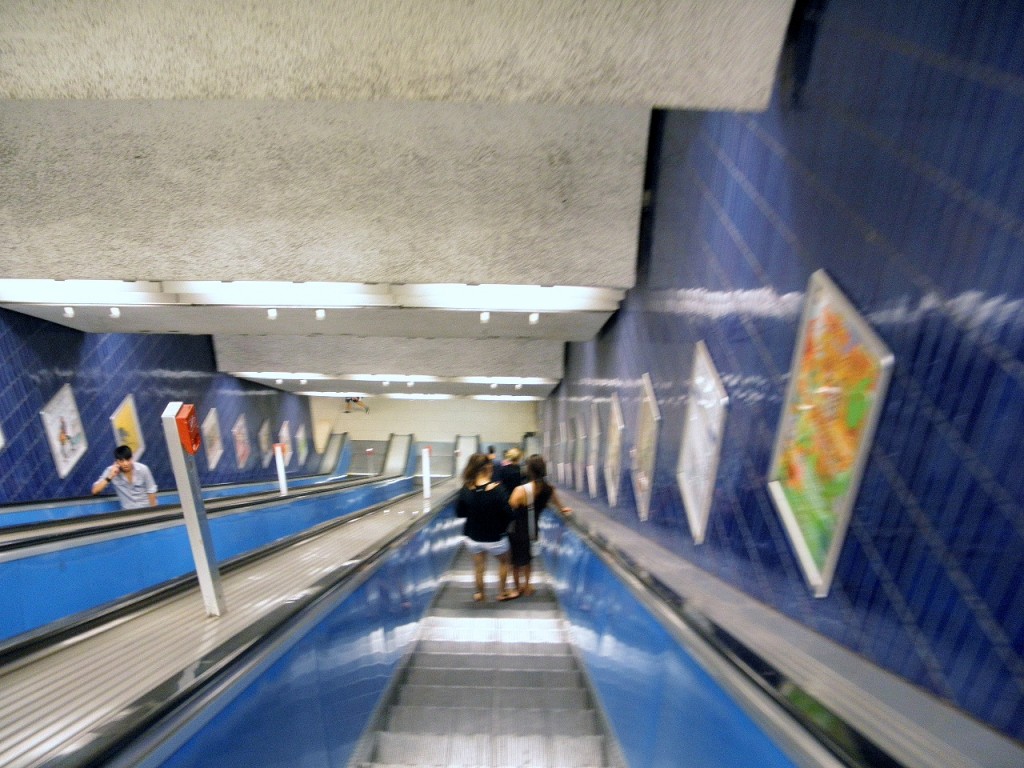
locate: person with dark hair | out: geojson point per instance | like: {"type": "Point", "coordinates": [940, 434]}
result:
{"type": "Point", "coordinates": [509, 473]}
{"type": "Point", "coordinates": [527, 502]}
{"type": "Point", "coordinates": [484, 505]}
{"type": "Point", "coordinates": [133, 482]}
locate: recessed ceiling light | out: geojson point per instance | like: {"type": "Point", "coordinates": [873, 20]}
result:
{"type": "Point", "coordinates": [519, 386]}
{"type": "Point", "coordinates": [272, 314]}
{"type": "Point", "coordinates": [320, 314]}
{"type": "Point", "coordinates": [69, 311]}
{"type": "Point", "coordinates": [302, 381]}
{"type": "Point", "coordinates": [494, 385]}
{"type": "Point", "coordinates": [279, 381]}
{"type": "Point", "coordinates": [485, 317]}
{"type": "Point", "coordinates": [534, 318]}
{"type": "Point", "coordinates": [386, 383]}
{"type": "Point", "coordinates": [115, 312]}
{"type": "Point", "coordinates": [408, 383]}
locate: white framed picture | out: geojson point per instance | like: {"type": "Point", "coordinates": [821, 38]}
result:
{"type": "Point", "coordinates": [240, 436]}
{"type": "Point", "coordinates": [702, 441]}
{"type": "Point", "coordinates": [127, 431]}
{"type": "Point", "coordinates": [837, 385]}
{"type": "Point", "coordinates": [212, 442]}
{"type": "Point", "coordinates": [594, 454]}
{"type": "Point", "coordinates": [644, 452]}
{"type": "Point", "coordinates": [64, 431]}
{"type": "Point", "coordinates": [613, 449]}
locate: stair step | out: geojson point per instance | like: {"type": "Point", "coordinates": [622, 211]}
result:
{"type": "Point", "coordinates": [481, 750]}
{"type": "Point", "coordinates": [560, 663]}
{"type": "Point", "coordinates": [492, 648]}
{"type": "Point", "coordinates": [486, 696]}
{"type": "Point", "coordinates": [498, 720]}
{"type": "Point", "coordinates": [493, 678]}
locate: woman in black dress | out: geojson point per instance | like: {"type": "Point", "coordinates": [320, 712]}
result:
{"type": "Point", "coordinates": [527, 502]}
{"type": "Point", "coordinates": [484, 505]}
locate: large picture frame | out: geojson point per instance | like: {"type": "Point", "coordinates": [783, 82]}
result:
{"type": "Point", "coordinates": [701, 447]}
{"type": "Point", "coordinates": [594, 454]}
{"type": "Point", "coordinates": [127, 431]}
{"type": "Point", "coordinates": [213, 443]}
{"type": "Point", "coordinates": [838, 381]}
{"type": "Point", "coordinates": [645, 448]}
{"type": "Point", "coordinates": [64, 431]}
{"type": "Point", "coordinates": [579, 453]}
{"type": "Point", "coordinates": [240, 436]}
{"type": "Point", "coordinates": [613, 449]}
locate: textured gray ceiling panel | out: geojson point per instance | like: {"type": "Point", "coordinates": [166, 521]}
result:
{"type": "Point", "coordinates": [693, 54]}
{"type": "Point", "coordinates": [301, 191]}
{"type": "Point", "coordinates": [385, 355]}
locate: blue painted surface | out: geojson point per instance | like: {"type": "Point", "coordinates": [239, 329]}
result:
{"type": "Point", "coordinates": [38, 358]}
{"type": "Point", "coordinates": [311, 706]}
{"type": "Point", "coordinates": [45, 587]}
{"type": "Point", "coordinates": [314, 702]}
{"type": "Point", "coordinates": [663, 707]}
{"type": "Point", "coordinates": [892, 156]}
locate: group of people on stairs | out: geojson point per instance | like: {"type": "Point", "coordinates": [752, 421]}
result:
{"type": "Point", "coordinates": [501, 513]}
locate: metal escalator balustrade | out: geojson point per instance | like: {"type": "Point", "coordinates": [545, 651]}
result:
{"type": "Point", "coordinates": [490, 684]}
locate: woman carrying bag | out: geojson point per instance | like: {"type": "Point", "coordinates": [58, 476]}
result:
{"type": "Point", "coordinates": [528, 501]}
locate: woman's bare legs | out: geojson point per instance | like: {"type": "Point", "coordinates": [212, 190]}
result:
{"type": "Point", "coordinates": [479, 561]}
{"type": "Point", "coordinates": [527, 589]}
{"type": "Point", "coordinates": [503, 568]}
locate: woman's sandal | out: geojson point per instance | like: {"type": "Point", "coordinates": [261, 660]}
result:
{"type": "Point", "coordinates": [527, 590]}
{"type": "Point", "coordinates": [478, 597]}
{"type": "Point", "coordinates": [508, 595]}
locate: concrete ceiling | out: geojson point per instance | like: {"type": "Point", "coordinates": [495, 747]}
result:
{"type": "Point", "coordinates": [369, 159]}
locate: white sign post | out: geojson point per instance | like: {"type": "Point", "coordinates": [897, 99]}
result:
{"type": "Point", "coordinates": [282, 480]}
{"type": "Point", "coordinates": [426, 473]}
{"type": "Point", "coordinates": [189, 491]}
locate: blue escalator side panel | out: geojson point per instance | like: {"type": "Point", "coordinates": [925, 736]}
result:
{"type": "Point", "coordinates": [664, 708]}
{"type": "Point", "coordinates": [310, 707]}
{"type": "Point", "coordinates": [52, 585]}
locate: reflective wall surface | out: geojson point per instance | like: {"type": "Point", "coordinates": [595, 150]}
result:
{"type": "Point", "coordinates": [892, 157]}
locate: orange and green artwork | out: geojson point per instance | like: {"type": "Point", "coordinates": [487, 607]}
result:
{"type": "Point", "coordinates": [839, 376]}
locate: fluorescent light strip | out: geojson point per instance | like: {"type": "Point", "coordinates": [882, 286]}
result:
{"type": "Point", "coordinates": [312, 295]}
{"type": "Point", "coordinates": [516, 398]}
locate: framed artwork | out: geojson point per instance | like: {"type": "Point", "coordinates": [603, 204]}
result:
{"type": "Point", "coordinates": [579, 456]}
{"type": "Point", "coordinates": [212, 443]}
{"type": "Point", "coordinates": [594, 455]}
{"type": "Point", "coordinates": [125, 421]}
{"type": "Point", "coordinates": [644, 451]}
{"type": "Point", "coordinates": [702, 441]}
{"type": "Point", "coordinates": [240, 436]}
{"type": "Point", "coordinates": [838, 380]}
{"type": "Point", "coordinates": [266, 447]}
{"type": "Point", "coordinates": [3, 440]}
{"type": "Point", "coordinates": [301, 444]}
{"type": "Point", "coordinates": [284, 437]}
{"type": "Point", "coordinates": [564, 469]}
{"type": "Point", "coordinates": [64, 432]}
{"type": "Point", "coordinates": [613, 449]}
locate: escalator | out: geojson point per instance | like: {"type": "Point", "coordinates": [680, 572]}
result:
{"type": "Point", "coordinates": [490, 684]}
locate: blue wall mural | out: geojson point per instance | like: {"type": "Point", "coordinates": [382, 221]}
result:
{"type": "Point", "coordinates": [892, 156]}
{"type": "Point", "coordinates": [39, 358]}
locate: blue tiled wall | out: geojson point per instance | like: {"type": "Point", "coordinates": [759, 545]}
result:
{"type": "Point", "coordinates": [892, 156]}
{"type": "Point", "coordinates": [38, 358]}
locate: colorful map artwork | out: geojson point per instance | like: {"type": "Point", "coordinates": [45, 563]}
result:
{"type": "Point", "coordinates": [841, 372]}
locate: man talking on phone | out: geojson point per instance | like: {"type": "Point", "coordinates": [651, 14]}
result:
{"type": "Point", "coordinates": [133, 482]}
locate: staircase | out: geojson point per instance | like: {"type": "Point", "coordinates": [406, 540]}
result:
{"type": "Point", "coordinates": [490, 684]}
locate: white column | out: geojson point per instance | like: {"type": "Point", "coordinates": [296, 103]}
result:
{"type": "Point", "coordinates": [189, 491]}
